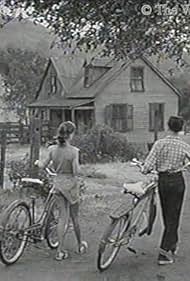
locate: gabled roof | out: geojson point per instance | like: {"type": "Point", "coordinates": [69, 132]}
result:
{"type": "Point", "coordinates": [70, 71]}
{"type": "Point", "coordinates": [80, 91]}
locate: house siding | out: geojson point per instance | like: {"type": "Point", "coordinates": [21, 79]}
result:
{"type": "Point", "coordinates": [156, 91]}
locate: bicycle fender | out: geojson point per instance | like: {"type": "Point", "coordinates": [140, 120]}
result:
{"type": "Point", "coordinates": [9, 208]}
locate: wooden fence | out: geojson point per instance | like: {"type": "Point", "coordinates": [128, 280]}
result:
{"type": "Point", "coordinates": [15, 132]}
{"type": "Point", "coordinates": [19, 133]}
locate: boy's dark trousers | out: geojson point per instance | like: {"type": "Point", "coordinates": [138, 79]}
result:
{"type": "Point", "coordinates": [171, 189]}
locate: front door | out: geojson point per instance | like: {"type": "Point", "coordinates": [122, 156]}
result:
{"type": "Point", "coordinates": [56, 117]}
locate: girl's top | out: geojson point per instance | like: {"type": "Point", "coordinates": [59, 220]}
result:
{"type": "Point", "coordinates": [65, 163]}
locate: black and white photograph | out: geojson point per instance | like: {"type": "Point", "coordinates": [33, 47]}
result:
{"type": "Point", "coordinates": [94, 140]}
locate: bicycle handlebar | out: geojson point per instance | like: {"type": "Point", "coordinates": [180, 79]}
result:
{"type": "Point", "coordinates": [50, 173]}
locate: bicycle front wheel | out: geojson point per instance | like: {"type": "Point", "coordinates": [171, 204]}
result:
{"type": "Point", "coordinates": [14, 237]}
{"type": "Point", "coordinates": [111, 242]}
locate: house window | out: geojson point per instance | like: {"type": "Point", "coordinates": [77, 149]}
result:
{"type": "Point", "coordinates": [137, 79]}
{"type": "Point", "coordinates": [53, 85]}
{"type": "Point", "coordinates": [156, 116]}
{"type": "Point", "coordinates": [93, 73]}
{"type": "Point", "coordinates": [119, 117]}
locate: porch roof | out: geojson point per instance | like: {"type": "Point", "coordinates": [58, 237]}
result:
{"type": "Point", "coordinates": [59, 102]}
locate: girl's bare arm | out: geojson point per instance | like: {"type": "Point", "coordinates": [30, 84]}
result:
{"type": "Point", "coordinates": [76, 166]}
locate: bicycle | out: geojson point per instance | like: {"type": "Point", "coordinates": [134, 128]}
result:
{"type": "Point", "coordinates": [20, 226]}
{"type": "Point", "coordinates": [128, 222]}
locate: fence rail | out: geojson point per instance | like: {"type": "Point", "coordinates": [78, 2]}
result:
{"type": "Point", "coordinates": [17, 132]}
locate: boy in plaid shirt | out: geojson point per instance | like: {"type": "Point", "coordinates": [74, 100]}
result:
{"type": "Point", "coordinates": [167, 156]}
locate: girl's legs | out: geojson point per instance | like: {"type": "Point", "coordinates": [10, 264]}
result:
{"type": "Point", "coordinates": [74, 210]}
{"type": "Point", "coordinates": [63, 222]}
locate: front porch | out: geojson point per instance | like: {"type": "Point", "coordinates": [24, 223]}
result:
{"type": "Point", "coordinates": [81, 112]}
{"type": "Point", "coordinates": [82, 116]}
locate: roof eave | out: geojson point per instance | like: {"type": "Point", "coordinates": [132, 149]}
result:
{"type": "Point", "coordinates": [163, 77]}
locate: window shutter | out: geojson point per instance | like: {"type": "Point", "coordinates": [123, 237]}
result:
{"type": "Point", "coordinates": [108, 115]}
{"type": "Point", "coordinates": [151, 116]}
{"type": "Point", "coordinates": [123, 117]}
{"type": "Point", "coordinates": [129, 117]}
{"type": "Point", "coordinates": [159, 107]}
{"type": "Point", "coordinates": [161, 116]}
{"type": "Point", "coordinates": [114, 116]}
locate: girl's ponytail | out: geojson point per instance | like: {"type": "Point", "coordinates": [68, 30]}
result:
{"type": "Point", "coordinates": [64, 131]}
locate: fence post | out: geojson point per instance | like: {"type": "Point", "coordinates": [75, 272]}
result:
{"type": "Point", "coordinates": [3, 153]}
{"type": "Point", "coordinates": [35, 128]}
{"type": "Point", "coordinates": [21, 133]}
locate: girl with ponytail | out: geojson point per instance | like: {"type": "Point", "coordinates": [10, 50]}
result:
{"type": "Point", "coordinates": [65, 161]}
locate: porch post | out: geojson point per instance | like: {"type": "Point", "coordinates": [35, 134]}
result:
{"type": "Point", "coordinates": [63, 115]}
{"type": "Point", "coordinates": [73, 115]}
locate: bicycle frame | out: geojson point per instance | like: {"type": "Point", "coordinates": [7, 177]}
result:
{"type": "Point", "coordinates": [129, 227]}
{"type": "Point", "coordinates": [39, 224]}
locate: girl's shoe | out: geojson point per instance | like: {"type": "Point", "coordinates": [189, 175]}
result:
{"type": "Point", "coordinates": [83, 247]}
{"type": "Point", "coordinates": [62, 256]}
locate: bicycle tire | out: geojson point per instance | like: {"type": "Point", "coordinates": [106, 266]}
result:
{"type": "Point", "coordinates": [152, 214]}
{"type": "Point", "coordinates": [51, 225]}
{"type": "Point", "coordinates": [12, 234]}
{"type": "Point", "coordinates": [131, 228]}
{"type": "Point", "coordinates": [108, 239]}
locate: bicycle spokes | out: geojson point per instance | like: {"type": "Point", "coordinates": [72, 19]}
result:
{"type": "Point", "coordinates": [13, 232]}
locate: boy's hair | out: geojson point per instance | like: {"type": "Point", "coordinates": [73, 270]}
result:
{"type": "Point", "coordinates": [175, 123]}
{"type": "Point", "coordinates": [64, 130]}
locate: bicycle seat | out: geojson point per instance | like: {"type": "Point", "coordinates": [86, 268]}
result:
{"type": "Point", "coordinates": [134, 188]}
{"type": "Point", "coordinates": [32, 181]}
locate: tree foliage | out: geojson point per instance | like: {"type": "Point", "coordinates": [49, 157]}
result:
{"type": "Point", "coordinates": [122, 27]}
{"type": "Point", "coordinates": [23, 79]}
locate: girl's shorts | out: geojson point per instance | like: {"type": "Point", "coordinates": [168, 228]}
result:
{"type": "Point", "coordinates": [68, 186]}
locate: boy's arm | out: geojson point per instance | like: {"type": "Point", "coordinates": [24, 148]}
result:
{"type": "Point", "coordinates": [150, 161]}
{"type": "Point", "coordinates": [187, 151]}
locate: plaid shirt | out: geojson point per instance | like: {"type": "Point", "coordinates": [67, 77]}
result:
{"type": "Point", "coordinates": [167, 155]}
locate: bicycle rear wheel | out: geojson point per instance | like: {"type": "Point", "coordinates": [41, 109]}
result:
{"type": "Point", "coordinates": [14, 237]}
{"type": "Point", "coordinates": [111, 242]}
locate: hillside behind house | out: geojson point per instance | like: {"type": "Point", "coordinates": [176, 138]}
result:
{"type": "Point", "coordinates": [26, 35]}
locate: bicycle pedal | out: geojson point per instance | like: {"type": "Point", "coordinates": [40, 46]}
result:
{"type": "Point", "coordinates": [132, 250]}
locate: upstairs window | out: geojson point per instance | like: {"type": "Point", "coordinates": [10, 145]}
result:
{"type": "Point", "coordinates": [137, 79]}
{"type": "Point", "coordinates": [53, 85]}
{"type": "Point", "coordinates": [156, 116]}
{"type": "Point", "coordinates": [93, 73]}
{"type": "Point", "coordinates": [119, 117]}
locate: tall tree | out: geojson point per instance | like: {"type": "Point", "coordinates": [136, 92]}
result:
{"type": "Point", "coordinates": [23, 78]}
{"type": "Point", "coordinates": [122, 27]}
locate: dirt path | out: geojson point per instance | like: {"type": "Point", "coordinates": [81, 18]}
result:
{"type": "Point", "coordinates": [102, 196]}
